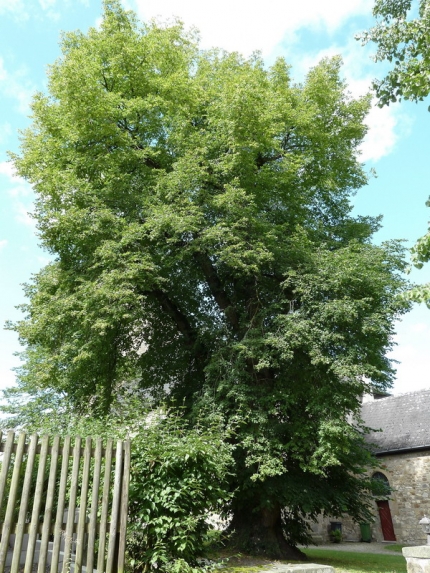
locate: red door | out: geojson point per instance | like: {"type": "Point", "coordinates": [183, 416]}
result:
{"type": "Point", "coordinates": [386, 521]}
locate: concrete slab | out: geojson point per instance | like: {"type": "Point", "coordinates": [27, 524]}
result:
{"type": "Point", "coordinates": [420, 551]}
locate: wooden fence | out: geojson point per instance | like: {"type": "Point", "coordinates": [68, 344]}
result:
{"type": "Point", "coordinates": [62, 517]}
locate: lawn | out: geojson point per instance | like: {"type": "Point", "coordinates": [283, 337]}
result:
{"type": "Point", "coordinates": [345, 561]}
{"type": "Point", "coordinates": [342, 561]}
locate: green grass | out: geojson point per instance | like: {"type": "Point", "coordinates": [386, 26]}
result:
{"type": "Point", "coordinates": [395, 547]}
{"type": "Point", "coordinates": [346, 561]}
{"type": "Point", "coordinates": [342, 561]}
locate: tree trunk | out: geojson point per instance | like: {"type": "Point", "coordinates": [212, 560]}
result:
{"type": "Point", "coordinates": [260, 533]}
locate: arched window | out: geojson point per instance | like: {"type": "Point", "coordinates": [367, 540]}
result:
{"type": "Point", "coordinates": [380, 485]}
{"type": "Point", "coordinates": [380, 476]}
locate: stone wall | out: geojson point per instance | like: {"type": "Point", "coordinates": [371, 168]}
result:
{"type": "Point", "coordinates": [409, 477]}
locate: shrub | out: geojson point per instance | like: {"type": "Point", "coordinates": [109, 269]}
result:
{"type": "Point", "coordinates": [178, 478]}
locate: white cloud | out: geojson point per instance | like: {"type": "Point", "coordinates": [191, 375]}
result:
{"type": "Point", "coordinates": [5, 132]}
{"type": "Point", "coordinates": [7, 378]}
{"type": "Point", "coordinates": [3, 243]}
{"type": "Point", "coordinates": [44, 260]}
{"type": "Point", "coordinates": [235, 25]}
{"type": "Point", "coordinates": [420, 327]}
{"type": "Point", "coordinates": [24, 9]}
{"type": "Point", "coordinates": [6, 168]}
{"type": "Point", "coordinates": [413, 370]}
{"type": "Point", "coordinates": [382, 135]}
{"type": "Point", "coordinates": [47, 4]}
{"type": "Point", "coordinates": [18, 187]}
{"type": "Point", "coordinates": [23, 215]}
{"type": "Point", "coordinates": [15, 8]}
{"type": "Point", "coordinates": [15, 85]}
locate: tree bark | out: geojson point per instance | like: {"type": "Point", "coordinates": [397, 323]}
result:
{"type": "Point", "coordinates": [260, 533]}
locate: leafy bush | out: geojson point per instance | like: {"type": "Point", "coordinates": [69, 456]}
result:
{"type": "Point", "coordinates": [336, 536]}
{"type": "Point", "coordinates": [177, 479]}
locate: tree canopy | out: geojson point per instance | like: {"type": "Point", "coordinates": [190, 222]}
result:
{"type": "Point", "coordinates": [402, 36]}
{"type": "Point", "coordinates": [197, 206]}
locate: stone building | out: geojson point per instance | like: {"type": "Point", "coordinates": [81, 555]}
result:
{"type": "Point", "coordinates": [403, 449]}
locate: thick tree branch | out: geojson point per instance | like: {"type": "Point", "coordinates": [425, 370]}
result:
{"type": "Point", "coordinates": [217, 290]}
{"type": "Point", "coordinates": [123, 124]}
{"type": "Point", "coordinates": [262, 160]}
{"type": "Point", "coordinates": [181, 321]}
{"type": "Point", "coordinates": [287, 146]}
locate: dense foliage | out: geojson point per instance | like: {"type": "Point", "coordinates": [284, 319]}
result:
{"type": "Point", "coordinates": [197, 206]}
{"type": "Point", "coordinates": [402, 36]}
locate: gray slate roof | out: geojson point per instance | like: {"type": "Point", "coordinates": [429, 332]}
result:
{"type": "Point", "coordinates": [404, 420]}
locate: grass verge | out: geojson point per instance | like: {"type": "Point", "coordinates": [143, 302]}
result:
{"type": "Point", "coordinates": [351, 562]}
{"type": "Point", "coordinates": [395, 547]}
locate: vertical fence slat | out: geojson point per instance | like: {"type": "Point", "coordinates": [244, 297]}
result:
{"type": "Point", "coordinates": [32, 534]}
{"type": "Point", "coordinates": [11, 501]}
{"type": "Point", "coordinates": [124, 507]}
{"type": "Point", "coordinates": [94, 505]}
{"type": "Point", "coordinates": [49, 504]}
{"type": "Point", "coordinates": [19, 533]}
{"type": "Point", "coordinates": [83, 507]}
{"type": "Point", "coordinates": [113, 546]}
{"type": "Point", "coordinates": [8, 447]}
{"type": "Point", "coordinates": [58, 528]}
{"type": "Point", "coordinates": [72, 505]}
{"type": "Point", "coordinates": [105, 505]}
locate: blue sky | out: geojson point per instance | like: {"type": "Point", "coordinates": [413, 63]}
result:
{"type": "Point", "coordinates": [396, 146]}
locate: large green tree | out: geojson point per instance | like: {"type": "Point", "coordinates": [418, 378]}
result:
{"type": "Point", "coordinates": [402, 36]}
{"type": "Point", "coordinates": [197, 206]}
